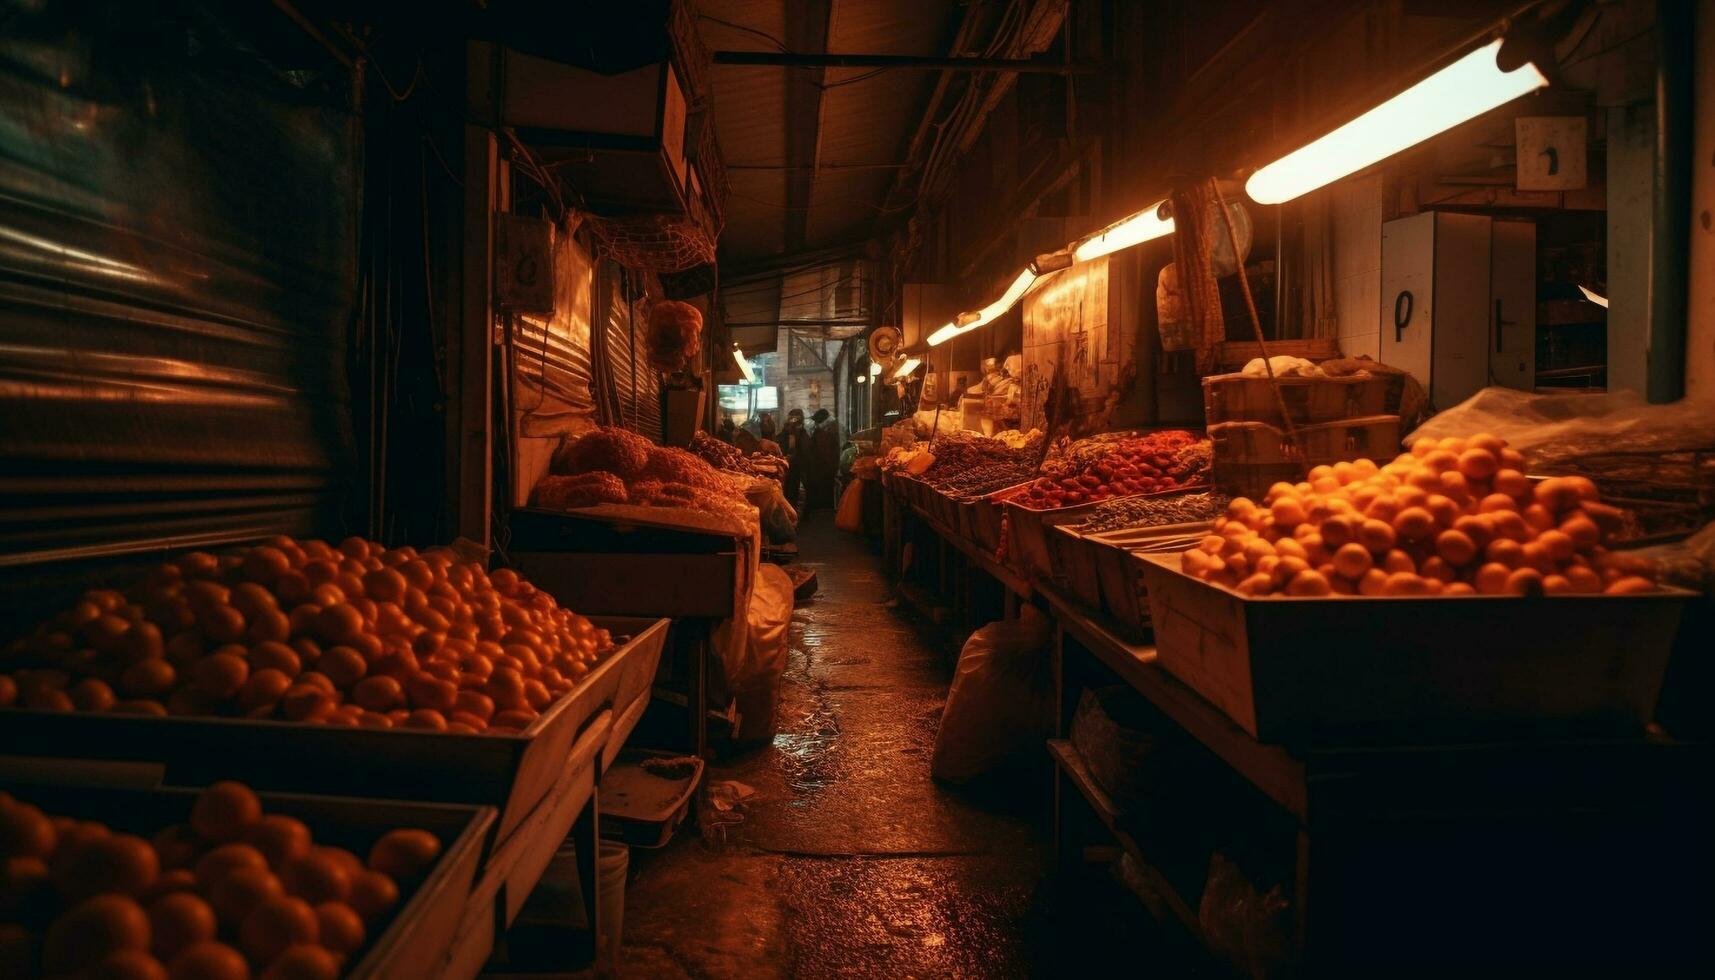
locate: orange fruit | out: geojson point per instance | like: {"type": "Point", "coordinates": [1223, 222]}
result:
{"type": "Point", "coordinates": [8, 691]}
{"type": "Point", "coordinates": [427, 691]}
{"type": "Point", "coordinates": [24, 883]}
{"type": "Point", "coordinates": [220, 675]}
{"type": "Point", "coordinates": [98, 926]}
{"type": "Point", "coordinates": [338, 622]}
{"type": "Point", "coordinates": [177, 846]}
{"type": "Point", "coordinates": [372, 894]}
{"type": "Point", "coordinates": [405, 854]}
{"type": "Point", "coordinates": [208, 960]}
{"type": "Point", "coordinates": [303, 962]}
{"type": "Point", "coordinates": [236, 895]}
{"type": "Point", "coordinates": [178, 920]}
{"type": "Point", "coordinates": [269, 625]}
{"type": "Point", "coordinates": [378, 693]}
{"type": "Point", "coordinates": [213, 867]}
{"type": "Point", "coordinates": [274, 924]}
{"type": "Point", "coordinates": [174, 880]}
{"type": "Point", "coordinates": [271, 654]}
{"type": "Point", "coordinates": [91, 694]}
{"type": "Point", "coordinates": [343, 666]}
{"type": "Point", "coordinates": [25, 831]}
{"type": "Point", "coordinates": [127, 964]}
{"type": "Point", "coordinates": [316, 877]}
{"type": "Point", "coordinates": [224, 811]}
{"type": "Point", "coordinates": [280, 838]}
{"type": "Point", "coordinates": [307, 702]}
{"type": "Point", "coordinates": [339, 926]}
{"type": "Point", "coordinates": [426, 718]}
{"type": "Point", "coordinates": [123, 863]}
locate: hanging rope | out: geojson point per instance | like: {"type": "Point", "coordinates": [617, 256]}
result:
{"type": "Point", "coordinates": [1256, 327]}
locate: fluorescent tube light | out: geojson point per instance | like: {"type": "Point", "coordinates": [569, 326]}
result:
{"type": "Point", "coordinates": [1463, 90]}
{"type": "Point", "coordinates": [743, 365]}
{"type": "Point", "coordinates": [1146, 225]}
{"type": "Point", "coordinates": [967, 322]}
{"type": "Point", "coordinates": [905, 368]}
{"type": "Point", "coordinates": [1601, 301]}
{"type": "Point", "coordinates": [875, 369]}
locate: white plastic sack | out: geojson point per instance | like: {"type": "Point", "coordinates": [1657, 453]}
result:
{"type": "Point", "coordinates": [1002, 699]}
{"type": "Point", "coordinates": [1549, 428]}
{"type": "Point", "coordinates": [755, 684]}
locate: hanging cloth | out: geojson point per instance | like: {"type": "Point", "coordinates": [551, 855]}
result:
{"type": "Point", "coordinates": [1199, 294]}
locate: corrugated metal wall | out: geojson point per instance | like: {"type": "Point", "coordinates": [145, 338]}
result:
{"type": "Point", "coordinates": [622, 362]}
{"type": "Point", "coordinates": [177, 269]}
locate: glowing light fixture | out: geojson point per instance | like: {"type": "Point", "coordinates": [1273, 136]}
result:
{"type": "Point", "coordinates": [1463, 90]}
{"type": "Point", "coordinates": [875, 369]}
{"type": "Point", "coordinates": [967, 322]}
{"type": "Point", "coordinates": [1146, 225]}
{"type": "Point", "coordinates": [743, 365]}
{"type": "Point", "coordinates": [1598, 299]}
{"type": "Point", "coordinates": [905, 368]}
{"type": "Point", "coordinates": [862, 379]}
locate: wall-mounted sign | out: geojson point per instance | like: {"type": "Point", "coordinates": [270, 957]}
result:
{"type": "Point", "coordinates": [1551, 152]}
{"type": "Point", "coordinates": [1066, 321]}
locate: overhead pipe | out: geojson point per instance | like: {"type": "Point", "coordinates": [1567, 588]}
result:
{"type": "Point", "coordinates": [788, 59]}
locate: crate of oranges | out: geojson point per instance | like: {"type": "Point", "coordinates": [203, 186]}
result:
{"type": "Point", "coordinates": [352, 669]}
{"type": "Point", "coordinates": [1441, 592]}
{"type": "Point", "coordinates": [229, 885]}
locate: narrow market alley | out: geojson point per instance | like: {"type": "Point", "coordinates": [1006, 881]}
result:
{"type": "Point", "coordinates": [849, 859]}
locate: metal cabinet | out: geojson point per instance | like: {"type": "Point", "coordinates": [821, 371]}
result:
{"type": "Point", "coordinates": [1459, 302]}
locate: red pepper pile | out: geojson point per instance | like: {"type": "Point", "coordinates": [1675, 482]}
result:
{"type": "Point", "coordinates": [1113, 468]}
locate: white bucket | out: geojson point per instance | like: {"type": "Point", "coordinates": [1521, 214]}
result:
{"type": "Point", "coordinates": [612, 859]}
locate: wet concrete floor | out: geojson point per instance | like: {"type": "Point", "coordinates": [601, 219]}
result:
{"type": "Point", "coordinates": [849, 860]}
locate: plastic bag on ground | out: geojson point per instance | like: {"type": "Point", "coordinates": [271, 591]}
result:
{"type": "Point", "coordinates": [1001, 701]}
{"type": "Point", "coordinates": [755, 684]}
{"type": "Point", "coordinates": [849, 517]}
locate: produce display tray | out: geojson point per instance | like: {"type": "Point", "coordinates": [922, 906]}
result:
{"type": "Point", "coordinates": [415, 942]}
{"type": "Point", "coordinates": [511, 772]}
{"type": "Point", "coordinates": [1101, 571]}
{"type": "Point", "coordinates": [980, 518]}
{"type": "Point", "coordinates": [1287, 669]}
{"type": "Point", "coordinates": [641, 808]}
{"type": "Point", "coordinates": [1028, 542]}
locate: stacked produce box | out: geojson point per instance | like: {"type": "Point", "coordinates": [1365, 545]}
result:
{"type": "Point", "coordinates": [1483, 598]}
{"type": "Point", "coordinates": [1339, 413]}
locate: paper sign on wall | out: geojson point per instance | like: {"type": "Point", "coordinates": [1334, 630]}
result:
{"type": "Point", "coordinates": [1551, 152]}
{"type": "Point", "coordinates": [1066, 319]}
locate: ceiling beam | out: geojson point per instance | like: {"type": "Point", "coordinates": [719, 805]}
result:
{"type": "Point", "coordinates": [808, 27]}
{"type": "Point", "coordinates": [792, 59]}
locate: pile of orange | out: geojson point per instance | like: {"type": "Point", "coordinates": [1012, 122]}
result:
{"type": "Point", "coordinates": [1450, 517]}
{"type": "Point", "coordinates": [360, 634]}
{"type": "Point", "coordinates": [233, 893]}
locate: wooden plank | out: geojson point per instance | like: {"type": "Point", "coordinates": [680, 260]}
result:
{"type": "Point", "coordinates": [624, 584]}
{"type": "Point", "coordinates": [994, 569]}
{"type": "Point", "coordinates": [1071, 763]}
{"type": "Point", "coordinates": [1270, 768]}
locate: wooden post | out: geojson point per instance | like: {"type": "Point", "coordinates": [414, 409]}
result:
{"type": "Point", "coordinates": [471, 408]}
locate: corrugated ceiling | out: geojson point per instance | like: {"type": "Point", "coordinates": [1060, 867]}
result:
{"type": "Point", "coordinates": [859, 131]}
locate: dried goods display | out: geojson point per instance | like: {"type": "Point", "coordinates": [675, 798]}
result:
{"type": "Point", "coordinates": [1129, 512]}
{"type": "Point", "coordinates": [302, 631]}
{"type": "Point", "coordinates": [233, 892]}
{"type": "Point", "coordinates": [970, 465]}
{"type": "Point", "coordinates": [1111, 466]}
{"type": "Point", "coordinates": [725, 456]}
{"type": "Point", "coordinates": [1451, 517]}
{"type": "Point", "coordinates": [616, 466]}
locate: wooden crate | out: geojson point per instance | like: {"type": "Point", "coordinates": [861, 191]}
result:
{"type": "Point", "coordinates": [511, 772]}
{"type": "Point", "coordinates": [1072, 557]}
{"type": "Point", "coordinates": [1250, 457]}
{"type": "Point", "coordinates": [1027, 536]}
{"type": "Point", "coordinates": [1235, 354]}
{"type": "Point", "coordinates": [1120, 577]}
{"type": "Point", "coordinates": [1414, 668]}
{"type": "Point", "coordinates": [415, 940]}
{"type": "Point", "coordinates": [1242, 398]}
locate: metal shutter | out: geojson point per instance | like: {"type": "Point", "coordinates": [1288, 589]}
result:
{"type": "Point", "coordinates": [177, 270]}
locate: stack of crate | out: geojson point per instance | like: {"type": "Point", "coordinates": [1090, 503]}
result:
{"type": "Point", "coordinates": [1336, 419]}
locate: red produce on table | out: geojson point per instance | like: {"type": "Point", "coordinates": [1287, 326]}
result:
{"type": "Point", "coordinates": [1154, 462]}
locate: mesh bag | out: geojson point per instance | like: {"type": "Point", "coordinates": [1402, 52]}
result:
{"type": "Point", "coordinates": [659, 242]}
